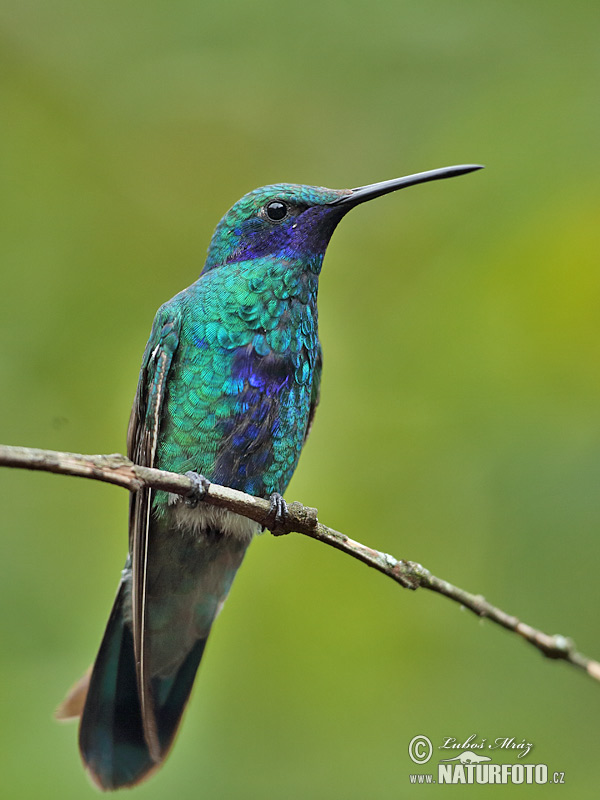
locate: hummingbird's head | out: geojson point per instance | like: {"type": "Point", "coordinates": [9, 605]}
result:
{"type": "Point", "coordinates": [294, 222]}
{"type": "Point", "coordinates": [285, 220]}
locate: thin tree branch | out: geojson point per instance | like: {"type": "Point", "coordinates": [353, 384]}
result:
{"type": "Point", "coordinates": [121, 471]}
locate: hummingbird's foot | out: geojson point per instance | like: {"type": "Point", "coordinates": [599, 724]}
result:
{"type": "Point", "coordinates": [278, 515]}
{"type": "Point", "coordinates": [201, 485]}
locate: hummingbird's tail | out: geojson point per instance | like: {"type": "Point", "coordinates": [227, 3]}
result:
{"type": "Point", "coordinates": [185, 593]}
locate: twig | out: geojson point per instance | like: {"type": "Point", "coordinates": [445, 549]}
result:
{"type": "Point", "coordinates": [119, 470]}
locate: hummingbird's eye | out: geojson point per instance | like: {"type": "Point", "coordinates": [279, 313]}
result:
{"type": "Point", "coordinates": [276, 210]}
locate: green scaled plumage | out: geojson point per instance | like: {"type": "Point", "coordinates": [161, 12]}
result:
{"type": "Point", "coordinates": [253, 313]}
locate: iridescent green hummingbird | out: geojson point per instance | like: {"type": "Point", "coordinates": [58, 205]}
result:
{"type": "Point", "coordinates": [227, 392]}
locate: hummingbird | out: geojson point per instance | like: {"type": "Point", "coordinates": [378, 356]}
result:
{"type": "Point", "coordinates": [227, 393]}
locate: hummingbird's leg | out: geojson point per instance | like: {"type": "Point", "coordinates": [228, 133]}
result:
{"type": "Point", "coordinates": [201, 485]}
{"type": "Point", "coordinates": [278, 514]}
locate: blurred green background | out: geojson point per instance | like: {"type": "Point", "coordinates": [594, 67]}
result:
{"type": "Point", "coordinates": [460, 412]}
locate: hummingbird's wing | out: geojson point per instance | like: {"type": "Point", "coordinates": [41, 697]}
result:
{"type": "Point", "coordinates": [142, 439]}
{"type": "Point", "coordinates": [315, 390]}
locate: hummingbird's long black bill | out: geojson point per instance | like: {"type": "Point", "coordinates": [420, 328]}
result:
{"type": "Point", "coordinates": [362, 193]}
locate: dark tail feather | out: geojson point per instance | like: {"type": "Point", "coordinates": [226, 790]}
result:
{"type": "Point", "coordinates": [111, 737]}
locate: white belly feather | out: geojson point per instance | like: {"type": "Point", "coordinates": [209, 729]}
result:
{"type": "Point", "coordinates": [201, 517]}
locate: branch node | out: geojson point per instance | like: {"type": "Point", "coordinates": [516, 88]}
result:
{"type": "Point", "coordinates": [406, 575]}
{"type": "Point", "coordinates": [305, 515]}
{"type": "Point", "coordinates": [480, 605]}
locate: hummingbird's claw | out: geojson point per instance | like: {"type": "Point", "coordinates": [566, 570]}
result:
{"type": "Point", "coordinates": [201, 485]}
{"type": "Point", "coordinates": [278, 514]}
